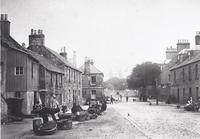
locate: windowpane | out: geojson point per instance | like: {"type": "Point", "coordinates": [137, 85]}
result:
{"type": "Point", "coordinates": [19, 70]}
{"type": "Point", "coordinates": [93, 79]}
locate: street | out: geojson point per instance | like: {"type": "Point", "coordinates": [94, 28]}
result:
{"type": "Point", "coordinates": [123, 120]}
{"type": "Point", "coordinates": [161, 121]}
{"type": "Point", "coordinates": [110, 125]}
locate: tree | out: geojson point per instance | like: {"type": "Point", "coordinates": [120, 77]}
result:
{"type": "Point", "coordinates": [143, 75]}
{"type": "Point", "coordinates": [116, 83]}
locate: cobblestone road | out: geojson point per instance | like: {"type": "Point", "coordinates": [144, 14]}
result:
{"type": "Point", "coordinates": [162, 121]}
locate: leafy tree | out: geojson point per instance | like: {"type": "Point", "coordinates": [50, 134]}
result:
{"type": "Point", "coordinates": [143, 75]}
{"type": "Point", "coordinates": [116, 83]}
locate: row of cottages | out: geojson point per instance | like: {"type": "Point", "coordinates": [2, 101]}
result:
{"type": "Point", "coordinates": [30, 75]}
{"type": "Point", "coordinates": [180, 72]}
{"type": "Point", "coordinates": [92, 81]}
{"type": "Point", "coordinates": [67, 86]}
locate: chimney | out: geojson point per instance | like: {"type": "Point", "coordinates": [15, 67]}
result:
{"type": "Point", "coordinates": [91, 62]}
{"type": "Point", "coordinates": [182, 44]}
{"type": "Point", "coordinates": [171, 52]}
{"type": "Point", "coordinates": [87, 66]}
{"type": "Point", "coordinates": [74, 58]}
{"type": "Point", "coordinates": [197, 40]}
{"type": "Point", "coordinates": [5, 25]}
{"type": "Point", "coordinates": [36, 38]}
{"type": "Point", "coordinates": [64, 53]}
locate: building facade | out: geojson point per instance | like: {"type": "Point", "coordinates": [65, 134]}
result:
{"type": "Point", "coordinates": [19, 74]}
{"type": "Point", "coordinates": [50, 80]}
{"type": "Point", "coordinates": [185, 74]}
{"type": "Point", "coordinates": [185, 79]}
{"type": "Point", "coordinates": [92, 81]}
{"type": "Point", "coordinates": [71, 80]}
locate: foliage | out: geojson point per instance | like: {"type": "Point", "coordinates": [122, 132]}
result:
{"type": "Point", "coordinates": [143, 75]}
{"type": "Point", "coordinates": [116, 83]}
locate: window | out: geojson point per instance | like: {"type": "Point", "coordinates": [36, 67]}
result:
{"type": "Point", "coordinates": [74, 76]}
{"type": "Point", "coordinates": [190, 92]}
{"type": "Point", "coordinates": [79, 92]}
{"type": "Point", "coordinates": [19, 70]}
{"type": "Point", "coordinates": [184, 99]}
{"type": "Point", "coordinates": [32, 64]}
{"type": "Point", "coordinates": [69, 74]}
{"type": "Point", "coordinates": [196, 72]}
{"type": "Point", "coordinates": [93, 79]}
{"type": "Point", "coordinates": [169, 77]}
{"type": "Point", "coordinates": [51, 79]}
{"type": "Point", "coordinates": [197, 93]}
{"type": "Point", "coordinates": [93, 92]}
{"type": "Point", "coordinates": [17, 94]}
{"type": "Point", "coordinates": [178, 95]}
{"type": "Point", "coordinates": [56, 79]}
{"type": "Point", "coordinates": [183, 74]}
{"type": "Point", "coordinates": [61, 80]}
{"type": "Point", "coordinates": [2, 72]}
{"type": "Point", "coordinates": [93, 96]}
{"type": "Point", "coordinates": [174, 76]}
{"type": "Point", "coordinates": [189, 73]}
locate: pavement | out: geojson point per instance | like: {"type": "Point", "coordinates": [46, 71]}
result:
{"type": "Point", "coordinates": [161, 121]}
{"type": "Point", "coordinates": [110, 125]}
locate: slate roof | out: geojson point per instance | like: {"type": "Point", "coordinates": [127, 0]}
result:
{"type": "Point", "coordinates": [11, 43]}
{"type": "Point", "coordinates": [194, 59]}
{"type": "Point", "coordinates": [93, 69]}
{"type": "Point", "coordinates": [62, 59]}
{"type": "Point", "coordinates": [45, 62]}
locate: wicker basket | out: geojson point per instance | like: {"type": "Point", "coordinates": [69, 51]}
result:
{"type": "Point", "coordinates": [64, 124]}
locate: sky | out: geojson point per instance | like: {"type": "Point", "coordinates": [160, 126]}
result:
{"type": "Point", "coordinates": [116, 34]}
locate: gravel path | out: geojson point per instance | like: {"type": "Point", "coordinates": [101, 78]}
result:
{"type": "Point", "coordinates": [161, 121]}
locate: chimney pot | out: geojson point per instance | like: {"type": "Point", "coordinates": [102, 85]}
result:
{"type": "Point", "coordinates": [2, 16]}
{"type": "Point", "coordinates": [31, 31]}
{"type": "Point", "coordinates": [6, 17]}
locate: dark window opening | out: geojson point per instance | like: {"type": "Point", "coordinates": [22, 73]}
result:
{"type": "Point", "coordinates": [17, 94]}
{"type": "Point", "coordinates": [93, 79]}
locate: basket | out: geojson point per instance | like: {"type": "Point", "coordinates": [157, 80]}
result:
{"type": "Point", "coordinates": [64, 124]}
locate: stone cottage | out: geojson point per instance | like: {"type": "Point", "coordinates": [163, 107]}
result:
{"type": "Point", "coordinates": [71, 80]}
{"type": "Point", "coordinates": [92, 81]}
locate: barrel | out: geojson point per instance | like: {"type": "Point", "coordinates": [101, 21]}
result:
{"type": "Point", "coordinates": [37, 122]}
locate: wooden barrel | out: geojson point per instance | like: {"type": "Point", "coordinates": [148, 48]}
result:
{"type": "Point", "coordinates": [37, 122]}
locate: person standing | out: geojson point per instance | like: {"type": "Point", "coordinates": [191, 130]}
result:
{"type": "Point", "coordinates": [54, 107]}
{"type": "Point", "coordinates": [111, 99]}
{"type": "Point", "coordinates": [126, 98]}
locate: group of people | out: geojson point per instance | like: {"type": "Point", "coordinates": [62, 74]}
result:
{"type": "Point", "coordinates": [51, 108]}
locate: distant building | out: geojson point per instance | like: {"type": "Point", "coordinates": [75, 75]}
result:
{"type": "Point", "coordinates": [71, 80]}
{"type": "Point", "coordinates": [19, 74]}
{"type": "Point", "coordinates": [185, 74]}
{"type": "Point", "coordinates": [92, 81]}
